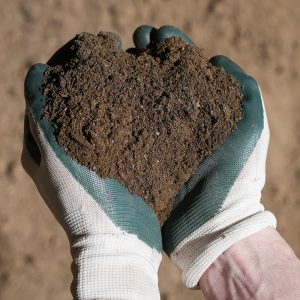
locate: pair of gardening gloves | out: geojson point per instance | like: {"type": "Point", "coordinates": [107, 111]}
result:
{"type": "Point", "coordinates": [115, 239]}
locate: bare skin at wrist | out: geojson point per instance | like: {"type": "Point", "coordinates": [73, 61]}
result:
{"type": "Point", "coordinates": [262, 266]}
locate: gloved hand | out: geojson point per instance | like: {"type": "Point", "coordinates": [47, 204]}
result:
{"type": "Point", "coordinates": [114, 236]}
{"type": "Point", "coordinates": [220, 204]}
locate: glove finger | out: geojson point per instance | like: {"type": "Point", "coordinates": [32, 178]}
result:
{"type": "Point", "coordinates": [33, 152]}
{"type": "Point", "coordinates": [249, 87]}
{"type": "Point", "coordinates": [35, 102]}
{"type": "Point", "coordinates": [167, 31]}
{"type": "Point", "coordinates": [33, 82]}
{"type": "Point", "coordinates": [229, 66]}
{"type": "Point", "coordinates": [143, 36]}
{"type": "Point", "coordinates": [225, 62]}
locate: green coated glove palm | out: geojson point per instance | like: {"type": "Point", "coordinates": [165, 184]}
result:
{"type": "Point", "coordinates": [220, 204]}
{"type": "Point", "coordinates": [114, 236]}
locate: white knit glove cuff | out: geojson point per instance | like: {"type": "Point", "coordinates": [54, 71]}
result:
{"type": "Point", "coordinates": [195, 254]}
{"type": "Point", "coordinates": [114, 267]}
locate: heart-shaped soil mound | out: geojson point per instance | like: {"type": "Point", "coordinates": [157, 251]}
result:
{"type": "Point", "coordinates": [146, 118]}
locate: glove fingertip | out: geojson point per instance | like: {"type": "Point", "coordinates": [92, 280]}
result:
{"type": "Point", "coordinates": [143, 36]}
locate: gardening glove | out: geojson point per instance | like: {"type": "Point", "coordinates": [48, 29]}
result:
{"type": "Point", "coordinates": [220, 204]}
{"type": "Point", "coordinates": [115, 238]}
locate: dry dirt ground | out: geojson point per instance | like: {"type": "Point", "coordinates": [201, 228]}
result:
{"type": "Point", "coordinates": [261, 36]}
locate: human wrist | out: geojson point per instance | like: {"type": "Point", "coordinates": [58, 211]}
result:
{"type": "Point", "coordinates": [261, 266]}
{"type": "Point", "coordinates": [114, 267]}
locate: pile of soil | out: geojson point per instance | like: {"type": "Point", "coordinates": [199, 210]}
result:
{"type": "Point", "coordinates": [146, 118]}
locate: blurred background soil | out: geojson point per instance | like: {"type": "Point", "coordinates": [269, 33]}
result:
{"type": "Point", "coordinates": [261, 36]}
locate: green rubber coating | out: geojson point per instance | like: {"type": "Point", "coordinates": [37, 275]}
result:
{"type": "Point", "coordinates": [142, 36]}
{"type": "Point", "coordinates": [127, 211]}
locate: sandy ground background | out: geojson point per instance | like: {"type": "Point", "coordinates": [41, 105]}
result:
{"type": "Point", "coordinates": [261, 36]}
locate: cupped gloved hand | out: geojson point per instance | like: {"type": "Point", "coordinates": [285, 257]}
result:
{"type": "Point", "coordinates": [220, 204]}
{"type": "Point", "coordinates": [114, 236]}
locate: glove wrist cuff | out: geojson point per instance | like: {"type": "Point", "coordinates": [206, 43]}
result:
{"type": "Point", "coordinates": [114, 267]}
{"type": "Point", "coordinates": [212, 244]}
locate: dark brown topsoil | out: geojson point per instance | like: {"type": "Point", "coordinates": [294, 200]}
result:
{"type": "Point", "coordinates": [145, 118]}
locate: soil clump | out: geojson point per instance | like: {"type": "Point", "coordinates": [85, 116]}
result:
{"type": "Point", "coordinates": [146, 118]}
